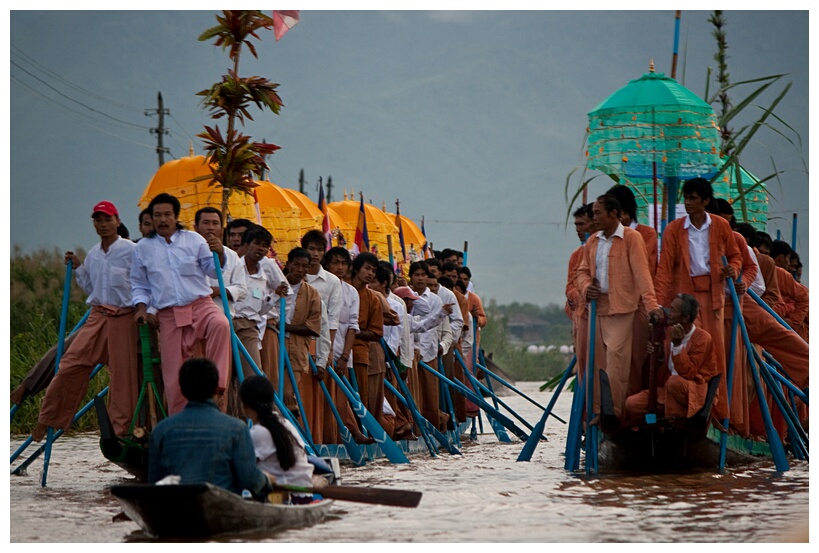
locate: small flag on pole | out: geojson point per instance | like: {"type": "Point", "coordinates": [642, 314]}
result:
{"type": "Point", "coordinates": [400, 231]}
{"type": "Point", "coordinates": [362, 240]}
{"type": "Point", "coordinates": [256, 205]}
{"type": "Point", "coordinates": [425, 248]}
{"type": "Point", "coordinates": [283, 21]}
{"type": "Point", "coordinates": [325, 221]}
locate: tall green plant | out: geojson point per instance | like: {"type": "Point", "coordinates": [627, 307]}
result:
{"type": "Point", "coordinates": [233, 157]}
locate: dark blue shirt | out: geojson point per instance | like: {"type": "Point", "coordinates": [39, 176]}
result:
{"type": "Point", "coordinates": [202, 444]}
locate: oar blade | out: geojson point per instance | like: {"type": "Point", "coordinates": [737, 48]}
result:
{"type": "Point", "coordinates": [378, 496]}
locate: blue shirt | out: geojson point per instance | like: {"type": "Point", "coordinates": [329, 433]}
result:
{"type": "Point", "coordinates": [172, 274]}
{"type": "Point", "coordinates": [202, 444]}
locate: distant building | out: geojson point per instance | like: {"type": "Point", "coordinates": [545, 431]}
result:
{"type": "Point", "coordinates": [525, 328]}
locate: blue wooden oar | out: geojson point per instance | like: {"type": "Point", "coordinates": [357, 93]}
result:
{"type": "Point", "coordinates": [473, 433]}
{"type": "Point", "coordinates": [491, 412]}
{"type": "Point", "coordinates": [591, 434]}
{"type": "Point", "coordinates": [508, 385]}
{"type": "Point", "coordinates": [446, 401]}
{"type": "Point", "coordinates": [723, 439]}
{"type": "Point", "coordinates": [498, 428]}
{"type": "Point", "coordinates": [572, 456]}
{"type": "Point", "coordinates": [390, 388]}
{"type": "Point", "coordinates": [60, 350]}
{"type": "Point", "coordinates": [58, 433]}
{"type": "Point", "coordinates": [797, 434]}
{"type": "Point", "coordinates": [484, 389]}
{"type": "Point", "coordinates": [777, 450]}
{"type": "Point", "coordinates": [282, 316]}
{"type": "Point", "coordinates": [285, 412]}
{"type": "Point", "coordinates": [531, 443]}
{"type": "Point", "coordinates": [778, 374]}
{"type": "Point", "coordinates": [767, 308]}
{"type": "Point", "coordinates": [237, 361]}
{"type": "Point", "coordinates": [424, 426]}
{"type": "Point", "coordinates": [389, 447]}
{"type": "Point", "coordinates": [305, 425]}
{"type": "Point", "coordinates": [355, 453]}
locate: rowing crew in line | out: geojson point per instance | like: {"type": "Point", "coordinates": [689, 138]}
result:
{"type": "Point", "coordinates": [337, 309]}
{"type": "Point", "coordinates": [618, 267]}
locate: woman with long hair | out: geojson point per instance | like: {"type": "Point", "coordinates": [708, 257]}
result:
{"type": "Point", "coordinates": [280, 450]}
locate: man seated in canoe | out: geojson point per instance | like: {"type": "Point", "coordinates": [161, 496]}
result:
{"type": "Point", "coordinates": [201, 444]}
{"type": "Point", "coordinates": [688, 364]}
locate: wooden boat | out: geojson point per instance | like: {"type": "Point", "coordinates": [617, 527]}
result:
{"type": "Point", "coordinates": [205, 510]}
{"type": "Point", "coordinates": [671, 445]}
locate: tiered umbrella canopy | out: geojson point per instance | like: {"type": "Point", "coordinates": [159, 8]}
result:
{"type": "Point", "coordinates": [653, 128]}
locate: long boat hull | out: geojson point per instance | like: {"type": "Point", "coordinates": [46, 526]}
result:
{"type": "Point", "coordinates": [670, 450]}
{"type": "Point", "coordinates": [205, 510]}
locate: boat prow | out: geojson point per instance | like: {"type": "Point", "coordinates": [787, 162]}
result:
{"type": "Point", "coordinates": [205, 510]}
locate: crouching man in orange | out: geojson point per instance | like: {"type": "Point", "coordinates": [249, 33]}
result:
{"type": "Point", "coordinates": [683, 378]}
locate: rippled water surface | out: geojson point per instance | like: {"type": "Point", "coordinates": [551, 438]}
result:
{"type": "Point", "coordinates": [483, 495]}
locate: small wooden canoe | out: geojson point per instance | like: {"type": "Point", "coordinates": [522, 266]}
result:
{"type": "Point", "coordinates": [205, 510]}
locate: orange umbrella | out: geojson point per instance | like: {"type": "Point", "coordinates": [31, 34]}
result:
{"type": "Point", "coordinates": [379, 225]}
{"type": "Point", "coordinates": [279, 213]}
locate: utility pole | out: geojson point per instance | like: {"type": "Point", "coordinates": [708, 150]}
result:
{"type": "Point", "coordinates": [329, 189]}
{"type": "Point", "coordinates": [160, 130]}
{"type": "Point", "coordinates": [301, 181]}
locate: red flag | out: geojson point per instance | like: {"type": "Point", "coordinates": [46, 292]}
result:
{"type": "Point", "coordinates": [362, 240]}
{"type": "Point", "coordinates": [325, 222]}
{"type": "Point", "coordinates": [283, 21]}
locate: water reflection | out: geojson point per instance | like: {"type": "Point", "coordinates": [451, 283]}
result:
{"type": "Point", "coordinates": [483, 495]}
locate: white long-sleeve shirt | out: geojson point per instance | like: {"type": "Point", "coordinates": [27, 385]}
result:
{"type": "Point", "coordinates": [348, 318]}
{"type": "Point", "coordinates": [106, 277]}
{"type": "Point", "coordinates": [233, 276]}
{"type": "Point", "coordinates": [261, 287]}
{"type": "Point", "coordinates": [456, 319]}
{"type": "Point", "coordinates": [427, 313]}
{"type": "Point", "coordinates": [171, 274]}
{"type": "Point", "coordinates": [392, 333]}
{"type": "Point", "coordinates": [328, 286]}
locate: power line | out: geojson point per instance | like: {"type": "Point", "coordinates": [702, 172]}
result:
{"type": "Point", "coordinates": [79, 116]}
{"type": "Point", "coordinates": [24, 70]}
{"type": "Point", "coordinates": [69, 83]}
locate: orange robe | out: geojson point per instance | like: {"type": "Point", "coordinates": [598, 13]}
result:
{"type": "Point", "coordinates": [629, 282]}
{"type": "Point", "coordinates": [795, 298]}
{"type": "Point", "coordinates": [674, 277]}
{"type": "Point", "coordinates": [367, 367]}
{"type": "Point", "coordinates": [684, 394]}
{"type": "Point", "coordinates": [307, 312]}
{"type": "Point", "coordinates": [650, 238]}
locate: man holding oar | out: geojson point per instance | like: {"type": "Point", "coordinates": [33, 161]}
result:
{"type": "Point", "coordinates": [614, 270]}
{"type": "Point", "coordinates": [109, 336]}
{"type": "Point", "coordinates": [170, 273]}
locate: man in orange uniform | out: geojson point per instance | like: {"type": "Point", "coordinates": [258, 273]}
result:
{"type": "Point", "coordinates": [614, 271]}
{"type": "Point", "coordinates": [691, 364]}
{"type": "Point", "coordinates": [691, 263]}
{"type": "Point", "coordinates": [369, 371]}
{"type": "Point", "coordinates": [638, 378]}
{"type": "Point", "coordinates": [575, 303]}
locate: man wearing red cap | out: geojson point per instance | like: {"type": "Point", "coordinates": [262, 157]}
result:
{"type": "Point", "coordinates": [108, 337]}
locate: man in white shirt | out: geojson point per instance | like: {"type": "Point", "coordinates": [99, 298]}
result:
{"type": "Point", "coordinates": [170, 272]}
{"type": "Point", "coordinates": [337, 261]}
{"type": "Point", "coordinates": [265, 284]}
{"type": "Point", "coordinates": [109, 336]}
{"type": "Point", "coordinates": [208, 223]}
{"type": "Point", "coordinates": [425, 311]}
{"type": "Point", "coordinates": [327, 284]}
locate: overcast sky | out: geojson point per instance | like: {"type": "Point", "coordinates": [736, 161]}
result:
{"type": "Point", "coordinates": [472, 119]}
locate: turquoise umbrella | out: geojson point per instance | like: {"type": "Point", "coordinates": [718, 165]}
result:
{"type": "Point", "coordinates": [653, 128]}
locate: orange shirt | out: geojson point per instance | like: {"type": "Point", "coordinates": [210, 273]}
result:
{"type": "Point", "coordinates": [696, 363]}
{"type": "Point", "coordinates": [370, 317]}
{"type": "Point", "coordinates": [650, 238]}
{"type": "Point", "coordinates": [575, 303]}
{"type": "Point", "coordinates": [795, 298]}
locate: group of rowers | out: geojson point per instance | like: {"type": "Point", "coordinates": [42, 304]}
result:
{"type": "Point", "coordinates": [685, 286]}
{"type": "Point", "coordinates": [356, 315]}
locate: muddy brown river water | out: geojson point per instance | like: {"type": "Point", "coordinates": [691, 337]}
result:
{"type": "Point", "coordinates": [483, 495]}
